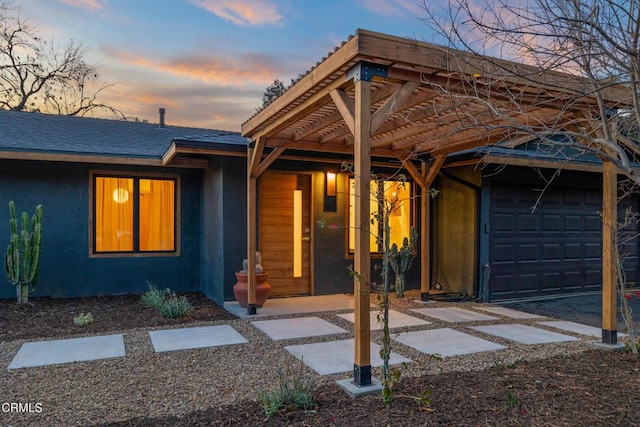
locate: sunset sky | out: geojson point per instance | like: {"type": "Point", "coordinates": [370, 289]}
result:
{"type": "Point", "coordinates": [208, 61]}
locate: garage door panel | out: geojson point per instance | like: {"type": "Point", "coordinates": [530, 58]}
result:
{"type": "Point", "coordinates": [551, 251]}
{"type": "Point", "coordinates": [592, 223]}
{"type": "Point", "coordinates": [503, 253]}
{"type": "Point", "coordinates": [572, 223]}
{"type": "Point", "coordinates": [526, 252]}
{"type": "Point", "coordinates": [503, 223]}
{"type": "Point", "coordinates": [527, 222]}
{"type": "Point", "coordinates": [551, 223]}
{"type": "Point", "coordinates": [592, 251]}
{"type": "Point", "coordinates": [572, 251]}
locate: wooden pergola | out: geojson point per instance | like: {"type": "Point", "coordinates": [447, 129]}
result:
{"type": "Point", "coordinates": [383, 96]}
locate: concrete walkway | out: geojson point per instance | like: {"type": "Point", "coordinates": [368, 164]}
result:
{"type": "Point", "coordinates": [411, 329]}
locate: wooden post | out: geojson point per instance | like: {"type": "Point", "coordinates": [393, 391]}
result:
{"type": "Point", "coordinates": [362, 256]}
{"type": "Point", "coordinates": [609, 272]}
{"type": "Point", "coordinates": [251, 235]}
{"type": "Point", "coordinates": [425, 238]}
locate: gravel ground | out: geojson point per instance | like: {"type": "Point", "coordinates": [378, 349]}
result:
{"type": "Point", "coordinates": [148, 385]}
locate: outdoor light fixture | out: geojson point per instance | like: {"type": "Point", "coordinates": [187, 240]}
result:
{"type": "Point", "coordinates": [331, 184]}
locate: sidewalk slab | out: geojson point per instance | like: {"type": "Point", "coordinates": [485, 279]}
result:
{"type": "Point", "coordinates": [189, 338]}
{"type": "Point", "coordinates": [446, 342]}
{"type": "Point", "coordinates": [396, 320]}
{"type": "Point", "coordinates": [454, 314]}
{"type": "Point", "coordinates": [577, 328]}
{"type": "Point", "coordinates": [334, 357]}
{"type": "Point", "coordinates": [297, 305]}
{"type": "Point", "coordinates": [509, 312]}
{"type": "Point", "coordinates": [523, 334]}
{"type": "Point", "coordinates": [300, 327]}
{"type": "Point", "coordinates": [42, 353]}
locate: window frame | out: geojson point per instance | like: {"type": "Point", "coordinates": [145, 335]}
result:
{"type": "Point", "coordinates": [136, 176]}
{"type": "Point", "coordinates": [376, 252]}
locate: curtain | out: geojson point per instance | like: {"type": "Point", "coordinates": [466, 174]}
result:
{"type": "Point", "coordinates": [114, 214]}
{"type": "Point", "coordinates": [157, 218]}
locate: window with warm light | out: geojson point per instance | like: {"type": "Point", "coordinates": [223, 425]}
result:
{"type": "Point", "coordinates": [396, 198]}
{"type": "Point", "coordinates": [134, 214]}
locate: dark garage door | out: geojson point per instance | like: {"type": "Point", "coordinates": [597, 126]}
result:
{"type": "Point", "coordinates": [555, 250]}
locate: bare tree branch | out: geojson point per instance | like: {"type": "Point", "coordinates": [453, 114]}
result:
{"type": "Point", "coordinates": [36, 75]}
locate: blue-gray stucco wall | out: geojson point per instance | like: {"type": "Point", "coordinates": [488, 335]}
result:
{"type": "Point", "coordinates": [66, 268]}
{"type": "Point", "coordinates": [224, 218]}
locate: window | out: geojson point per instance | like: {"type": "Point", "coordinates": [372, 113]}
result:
{"type": "Point", "coordinates": [134, 214]}
{"type": "Point", "coordinates": [397, 196]}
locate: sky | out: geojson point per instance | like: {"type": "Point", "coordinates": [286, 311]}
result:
{"type": "Point", "coordinates": [207, 62]}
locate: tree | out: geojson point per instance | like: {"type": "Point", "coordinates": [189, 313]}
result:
{"type": "Point", "coordinates": [275, 90]}
{"type": "Point", "coordinates": [36, 75]}
{"type": "Point", "coordinates": [272, 92]}
{"type": "Point", "coordinates": [598, 41]}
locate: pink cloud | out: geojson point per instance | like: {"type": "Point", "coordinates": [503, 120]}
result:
{"type": "Point", "coordinates": [248, 68]}
{"type": "Point", "coordinates": [84, 4]}
{"type": "Point", "coordinates": [242, 12]}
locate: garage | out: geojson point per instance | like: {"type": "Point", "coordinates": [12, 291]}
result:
{"type": "Point", "coordinates": [554, 249]}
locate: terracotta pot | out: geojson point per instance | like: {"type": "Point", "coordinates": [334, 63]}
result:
{"type": "Point", "coordinates": [263, 289]}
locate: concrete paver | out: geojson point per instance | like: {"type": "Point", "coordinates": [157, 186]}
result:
{"type": "Point", "coordinates": [446, 342]}
{"type": "Point", "coordinates": [334, 357]}
{"type": "Point", "coordinates": [53, 352]}
{"type": "Point", "coordinates": [523, 334]}
{"type": "Point", "coordinates": [454, 314]}
{"type": "Point", "coordinates": [189, 338]}
{"type": "Point", "coordinates": [299, 327]}
{"type": "Point", "coordinates": [396, 320]}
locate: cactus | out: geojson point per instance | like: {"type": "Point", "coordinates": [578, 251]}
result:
{"type": "Point", "coordinates": [401, 260]}
{"type": "Point", "coordinates": [245, 264]}
{"type": "Point", "coordinates": [22, 259]}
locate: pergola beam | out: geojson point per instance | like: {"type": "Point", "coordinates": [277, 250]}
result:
{"type": "Point", "coordinates": [271, 157]}
{"type": "Point", "coordinates": [391, 105]}
{"type": "Point", "coordinates": [346, 108]}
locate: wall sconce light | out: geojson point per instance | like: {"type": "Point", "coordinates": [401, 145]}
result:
{"type": "Point", "coordinates": [331, 184]}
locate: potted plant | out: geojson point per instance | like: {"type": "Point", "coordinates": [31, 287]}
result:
{"type": "Point", "coordinates": [263, 289]}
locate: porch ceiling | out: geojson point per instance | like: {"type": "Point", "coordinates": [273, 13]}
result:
{"type": "Point", "coordinates": [431, 101]}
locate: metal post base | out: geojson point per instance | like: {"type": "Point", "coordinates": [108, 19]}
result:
{"type": "Point", "coordinates": [609, 337]}
{"type": "Point", "coordinates": [361, 375]}
{"type": "Point", "coordinates": [425, 296]}
{"type": "Point", "coordinates": [251, 309]}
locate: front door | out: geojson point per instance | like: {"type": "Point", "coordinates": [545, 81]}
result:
{"type": "Point", "coordinates": [285, 232]}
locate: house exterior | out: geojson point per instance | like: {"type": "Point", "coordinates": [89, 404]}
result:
{"type": "Point", "coordinates": [86, 171]}
{"type": "Point", "coordinates": [486, 242]}
{"type": "Point", "coordinates": [126, 203]}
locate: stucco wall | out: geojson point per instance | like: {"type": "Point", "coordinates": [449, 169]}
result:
{"type": "Point", "coordinates": [454, 227]}
{"type": "Point", "coordinates": [66, 268]}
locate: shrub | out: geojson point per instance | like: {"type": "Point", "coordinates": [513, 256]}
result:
{"type": "Point", "coordinates": [154, 298]}
{"type": "Point", "coordinates": [166, 302]}
{"type": "Point", "coordinates": [83, 319]}
{"type": "Point", "coordinates": [628, 346]}
{"type": "Point", "coordinates": [174, 306]}
{"type": "Point", "coordinates": [294, 391]}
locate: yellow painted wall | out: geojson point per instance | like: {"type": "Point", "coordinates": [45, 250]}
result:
{"type": "Point", "coordinates": [455, 231]}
